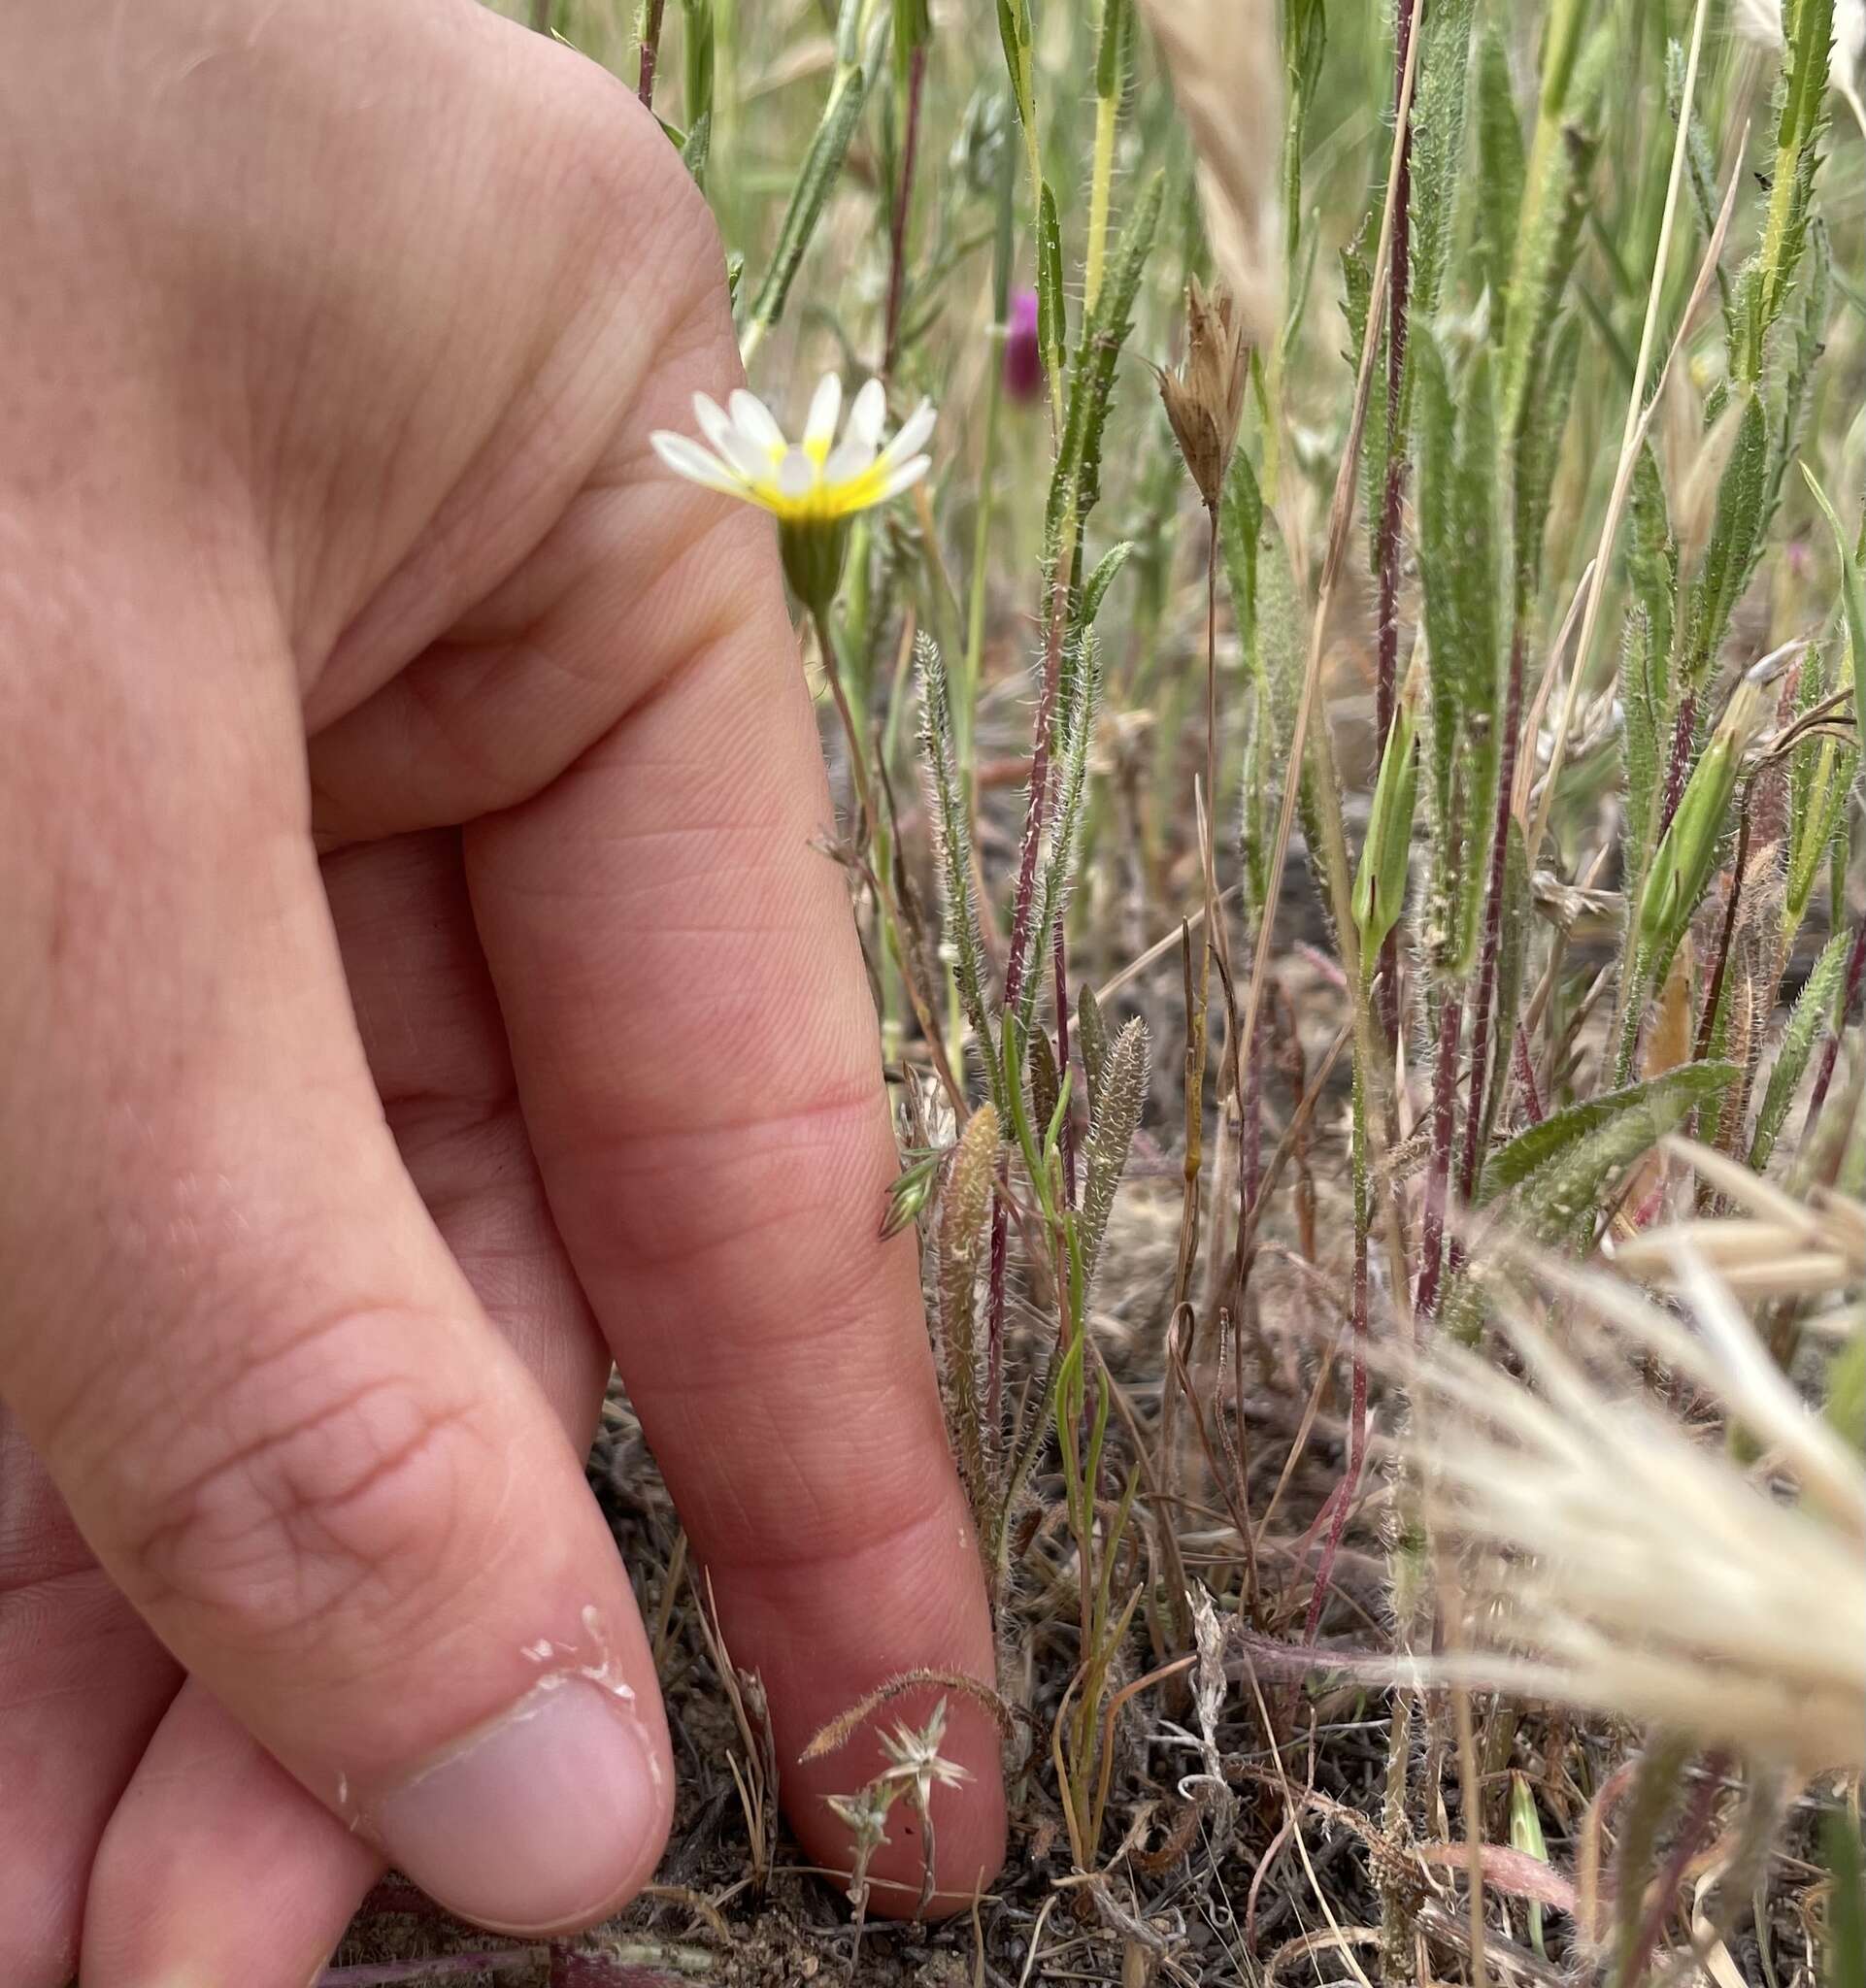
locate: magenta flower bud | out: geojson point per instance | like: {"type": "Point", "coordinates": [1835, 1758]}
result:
{"type": "Point", "coordinates": [1022, 356]}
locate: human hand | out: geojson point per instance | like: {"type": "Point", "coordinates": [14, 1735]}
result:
{"type": "Point", "coordinates": [418, 980]}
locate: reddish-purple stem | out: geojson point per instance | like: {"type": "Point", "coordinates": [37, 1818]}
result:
{"type": "Point", "coordinates": [650, 50]}
{"type": "Point", "coordinates": [897, 230]}
{"type": "Point", "coordinates": [1445, 1097]}
{"type": "Point", "coordinates": [1830, 1055]}
{"type": "Point", "coordinates": [1526, 1078]}
{"type": "Point", "coordinates": [1691, 1831]}
{"type": "Point", "coordinates": [1387, 554]}
{"type": "Point", "coordinates": [1679, 767]}
{"type": "Point", "coordinates": [1493, 945]}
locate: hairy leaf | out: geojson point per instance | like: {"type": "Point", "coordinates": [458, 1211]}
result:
{"type": "Point", "coordinates": [1735, 539]}
{"type": "Point", "coordinates": [1811, 1010]}
{"type": "Point", "coordinates": [1556, 1173]}
{"type": "Point", "coordinates": [952, 846]}
{"type": "Point", "coordinates": [964, 1206]}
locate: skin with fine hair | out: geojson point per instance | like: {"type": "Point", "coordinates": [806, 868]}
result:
{"type": "Point", "coordinates": [421, 983]}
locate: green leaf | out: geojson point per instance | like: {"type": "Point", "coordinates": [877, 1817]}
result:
{"type": "Point", "coordinates": [1846, 1942]}
{"type": "Point", "coordinates": [822, 165]}
{"type": "Point", "coordinates": [1735, 539]}
{"type": "Point", "coordinates": [1558, 1171]}
{"type": "Point", "coordinates": [1075, 485]}
{"type": "Point", "coordinates": [697, 61]}
{"type": "Point", "coordinates": [1091, 1044]}
{"type": "Point", "coordinates": [1082, 688]}
{"type": "Point", "coordinates": [1814, 1008]}
{"type": "Point", "coordinates": [694, 150]}
{"type": "Point", "coordinates": [1499, 176]}
{"type": "Point", "coordinates": [1459, 510]}
{"type": "Point", "coordinates": [1014, 31]}
{"type": "Point", "coordinates": [1280, 642]}
{"type": "Point", "coordinates": [1380, 879]}
{"type": "Point", "coordinates": [1439, 89]}
{"type": "Point", "coordinates": [1513, 953]}
{"type": "Point", "coordinates": [1554, 200]}
{"type": "Point", "coordinates": [964, 1205]}
{"type": "Point", "coordinates": [1052, 307]}
{"type": "Point", "coordinates": [1538, 450]}
{"type": "Point", "coordinates": [952, 847]}
{"type": "Point", "coordinates": [1800, 111]}
{"type": "Point", "coordinates": [1102, 578]}
{"type": "Point", "coordinates": [1852, 604]}
{"type": "Point", "coordinates": [1046, 1081]}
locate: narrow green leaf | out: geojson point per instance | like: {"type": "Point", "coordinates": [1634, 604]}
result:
{"type": "Point", "coordinates": [964, 1205]}
{"type": "Point", "coordinates": [1439, 91]}
{"type": "Point", "coordinates": [1557, 1172]}
{"type": "Point", "coordinates": [1499, 176]}
{"type": "Point", "coordinates": [1075, 487]}
{"type": "Point", "coordinates": [1102, 578]}
{"type": "Point", "coordinates": [1379, 881]}
{"type": "Point", "coordinates": [1800, 110]}
{"type": "Point", "coordinates": [1554, 200]}
{"type": "Point", "coordinates": [1091, 1044]}
{"type": "Point", "coordinates": [1852, 604]}
{"type": "Point", "coordinates": [823, 164]}
{"type": "Point", "coordinates": [1538, 450]}
{"type": "Point", "coordinates": [1052, 306]}
{"type": "Point", "coordinates": [952, 846]}
{"type": "Point", "coordinates": [1811, 1011]}
{"type": "Point", "coordinates": [1735, 539]}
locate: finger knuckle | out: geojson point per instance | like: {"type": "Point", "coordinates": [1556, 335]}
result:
{"type": "Point", "coordinates": [319, 1480]}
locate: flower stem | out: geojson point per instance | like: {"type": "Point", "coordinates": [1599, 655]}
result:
{"type": "Point", "coordinates": [857, 755]}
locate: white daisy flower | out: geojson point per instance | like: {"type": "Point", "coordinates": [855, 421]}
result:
{"type": "Point", "coordinates": [814, 482]}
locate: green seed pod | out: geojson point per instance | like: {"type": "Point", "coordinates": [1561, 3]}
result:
{"type": "Point", "coordinates": [1380, 884]}
{"type": "Point", "coordinates": [1681, 866]}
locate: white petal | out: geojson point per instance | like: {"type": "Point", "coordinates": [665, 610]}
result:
{"type": "Point", "coordinates": [866, 416]}
{"type": "Point", "coordinates": [797, 473]}
{"type": "Point", "coordinates": [744, 456]}
{"type": "Point", "coordinates": [903, 476]}
{"type": "Point", "coordinates": [685, 457]}
{"type": "Point", "coordinates": [850, 457]}
{"type": "Point", "coordinates": [754, 420]}
{"type": "Point", "coordinates": [914, 431]}
{"type": "Point", "coordinates": [714, 422]}
{"type": "Point", "coordinates": [824, 407]}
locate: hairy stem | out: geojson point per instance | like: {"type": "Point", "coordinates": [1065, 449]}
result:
{"type": "Point", "coordinates": [651, 11]}
{"type": "Point", "coordinates": [1493, 945]}
{"type": "Point", "coordinates": [1444, 1089]}
{"type": "Point", "coordinates": [1387, 551]}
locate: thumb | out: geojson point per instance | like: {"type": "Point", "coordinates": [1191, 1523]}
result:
{"type": "Point", "coordinates": [266, 1389]}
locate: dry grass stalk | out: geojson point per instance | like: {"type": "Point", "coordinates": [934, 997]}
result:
{"type": "Point", "coordinates": [1624, 1565]}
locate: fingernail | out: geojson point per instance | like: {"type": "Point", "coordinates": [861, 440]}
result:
{"type": "Point", "coordinates": [543, 1820]}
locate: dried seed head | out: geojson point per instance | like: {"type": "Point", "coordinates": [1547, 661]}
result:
{"type": "Point", "coordinates": [915, 1764]}
{"type": "Point", "coordinates": [1205, 399]}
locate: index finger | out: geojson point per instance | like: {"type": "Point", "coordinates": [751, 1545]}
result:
{"type": "Point", "coordinates": [699, 1062]}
